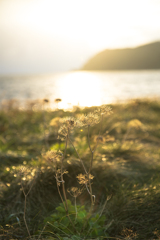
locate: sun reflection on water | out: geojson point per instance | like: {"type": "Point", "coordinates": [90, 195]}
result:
{"type": "Point", "coordinates": [81, 89]}
{"type": "Point", "coordinates": [78, 88]}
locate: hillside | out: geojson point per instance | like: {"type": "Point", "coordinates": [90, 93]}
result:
{"type": "Point", "coordinates": [142, 57]}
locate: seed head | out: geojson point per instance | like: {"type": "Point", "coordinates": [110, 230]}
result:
{"type": "Point", "coordinates": [74, 191]}
{"type": "Point", "coordinates": [99, 139]}
{"type": "Point", "coordinates": [52, 156]}
{"type": "Point", "coordinates": [88, 120]}
{"type": "Point", "coordinates": [68, 124]}
{"type": "Point", "coordinates": [83, 178]}
{"type": "Point", "coordinates": [58, 175]}
{"type": "Point", "coordinates": [104, 109]}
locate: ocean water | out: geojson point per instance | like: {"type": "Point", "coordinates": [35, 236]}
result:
{"type": "Point", "coordinates": [82, 88]}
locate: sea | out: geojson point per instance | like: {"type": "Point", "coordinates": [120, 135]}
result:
{"type": "Point", "coordinates": [81, 88]}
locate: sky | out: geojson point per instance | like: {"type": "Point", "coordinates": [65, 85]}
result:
{"type": "Point", "coordinates": [47, 36]}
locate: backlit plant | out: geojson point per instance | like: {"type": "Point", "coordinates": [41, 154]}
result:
{"type": "Point", "coordinates": [74, 220]}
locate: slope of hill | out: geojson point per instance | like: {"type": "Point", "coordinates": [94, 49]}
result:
{"type": "Point", "coordinates": [142, 57]}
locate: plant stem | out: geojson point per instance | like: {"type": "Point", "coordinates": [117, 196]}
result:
{"type": "Point", "coordinates": [61, 196]}
{"type": "Point", "coordinates": [75, 209]}
{"type": "Point", "coordinates": [92, 152]}
{"type": "Point", "coordinates": [63, 182]}
{"type": "Point", "coordinates": [44, 128]}
{"type": "Point", "coordinates": [24, 215]}
{"type": "Point", "coordinates": [91, 163]}
{"type": "Point", "coordinates": [79, 156]}
{"type": "Point", "coordinates": [25, 204]}
{"type": "Point", "coordinates": [101, 123]}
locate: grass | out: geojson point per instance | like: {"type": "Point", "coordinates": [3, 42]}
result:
{"type": "Point", "coordinates": [126, 169]}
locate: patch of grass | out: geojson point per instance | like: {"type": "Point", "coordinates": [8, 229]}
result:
{"type": "Point", "coordinates": [126, 169]}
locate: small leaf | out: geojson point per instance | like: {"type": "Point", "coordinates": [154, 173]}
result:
{"type": "Point", "coordinates": [69, 202]}
{"type": "Point", "coordinates": [71, 209]}
{"type": "Point", "coordinates": [94, 233]}
{"type": "Point", "coordinates": [54, 216]}
{"type": "Point", "coordinates": [60, 209]}
{"type": "Point", "coordinates": [81, 214]}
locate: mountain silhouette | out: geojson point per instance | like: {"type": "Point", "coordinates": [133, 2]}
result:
{"type": "Point", "coordinates": [142, 57]}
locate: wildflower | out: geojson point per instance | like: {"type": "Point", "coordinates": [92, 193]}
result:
{"type": "Point", "coordinates": [74, 191]}
{"type": "Point", "coordinates": [99, 139]}
{"type": "Point", "coordinates": [104, 110]}
{"type": "Point", "coordinates": [68, 123]}
{"type": "Point", "coordinates": [52, 156]}
{"type": "Point", "coordinates": [58, 176]}
{"type": "Point", "coordinates": [88, 120]}
{"type": "Point", "coordinates": [83, 178]}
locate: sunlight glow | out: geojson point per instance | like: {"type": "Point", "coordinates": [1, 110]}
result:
{"type": "Point", "coordinates": [81, 89]}
{"type": "Point", "coordinates": [59, 35]}
{"type": "Point", "coordinates": [98, 23]}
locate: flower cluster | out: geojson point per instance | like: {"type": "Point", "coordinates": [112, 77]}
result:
{"type": "Point", "coordinates": [58, 176]}
{"type": "Point", "coordinates": [74, 191]}
{"type": "Point", "coordinates": [88, 120]}
{"type": "Point", "coordinates": [83, 178]}
{"type": "Point", "coordinates": [99, 139]}
{"type": "Point", "coordinates": [104, 110]}
{"type": "Point", "coordinates": [68, 124]}
{"type": "Point", "coordinates": [82, 120]}
{"type": "Point", "coordinates": [52, 156]}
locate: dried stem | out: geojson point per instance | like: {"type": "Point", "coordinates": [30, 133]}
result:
{"type": "Point", "coordinates": [61, 195]}
{"type": "Point", "coordinates": [91, 164]}
{"type": "Point", "coordinates": [44, 128]}
{"type": "Point", "coordinates": [57, 182]}
{"type": "Point", "coordinates": [78, 156]}
{"type": "Point", "coordinates": [92, 152]}
{"type": "Point", "coordinates": [63, 182]}
{"type": "Point", "coordinates": [25, 205]}
{"type": "Point", "coordinates": [75, 208]}
{"type": "Point", "coordinates": [101, 124]}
